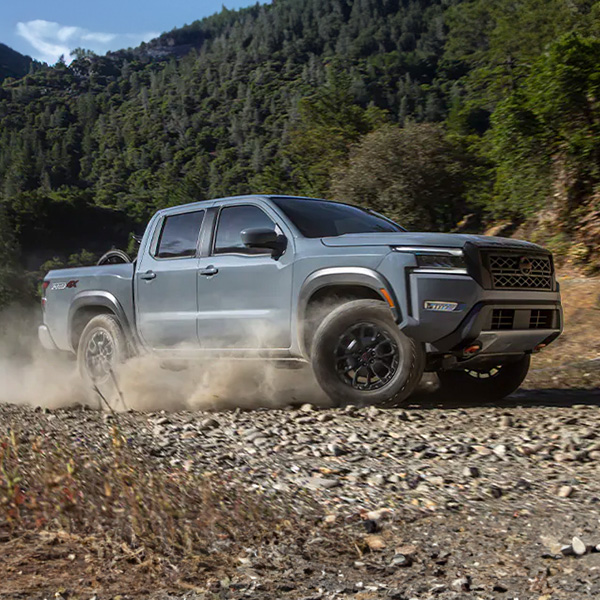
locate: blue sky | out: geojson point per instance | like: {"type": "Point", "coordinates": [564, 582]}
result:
{"type": "Point", "coordinates": [45, 29]}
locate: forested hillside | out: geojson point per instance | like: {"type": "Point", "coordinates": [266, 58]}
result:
{"type": "Point", "coordinates": [428, 110]}
{"type": "Point", "coordinates": [12, 64]}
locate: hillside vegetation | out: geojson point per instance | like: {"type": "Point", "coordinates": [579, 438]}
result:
{"type": "Point", "coordinates": [428, 110]}
{"type": "Point", "coordinates": [13, 64]}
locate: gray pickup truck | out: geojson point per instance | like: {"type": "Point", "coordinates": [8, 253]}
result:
{"type": "Point", "coordinates": [369, 305]}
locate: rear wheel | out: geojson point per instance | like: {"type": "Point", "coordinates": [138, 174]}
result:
{"type": "Point", "coordinates": [487, 384]}
{"type": "Point", "coordinates": [102, 347]}
{"type": "Point", "coordinates": [360, 356]}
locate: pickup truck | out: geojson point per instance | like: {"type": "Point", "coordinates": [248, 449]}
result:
{"type": "Point", "coordinates": [369, 305]}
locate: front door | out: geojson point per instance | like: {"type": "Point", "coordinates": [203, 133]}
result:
{"type": "Point", "coordinates": [244, 295]}
{"type": "Point", "coordinates": [166, 283]}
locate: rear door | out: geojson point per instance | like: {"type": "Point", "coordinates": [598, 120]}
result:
{"type": "Point", "coordinates": [166, 300]}
{"type": "Point", "coordinates": [244, 295]}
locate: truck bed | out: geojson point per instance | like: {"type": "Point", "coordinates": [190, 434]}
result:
{"type": "Point", "coordinates": [69, 289]}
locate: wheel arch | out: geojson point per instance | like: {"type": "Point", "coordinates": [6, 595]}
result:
{"type": "Point", "coordinates": [88, 304]}
{"type": "Point", "coordinates": [339, 282]}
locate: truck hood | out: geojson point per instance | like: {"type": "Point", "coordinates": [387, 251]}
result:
{"type": "Point", "coordinates": [429, 240]}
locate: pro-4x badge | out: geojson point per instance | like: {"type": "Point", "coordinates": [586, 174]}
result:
{"type": "Point", "coordinates": [63, 285]}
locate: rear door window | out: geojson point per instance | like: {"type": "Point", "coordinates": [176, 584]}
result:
{"type": "Point", "coordinates": [179, 235]}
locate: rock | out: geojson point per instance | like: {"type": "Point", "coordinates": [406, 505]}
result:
{"type": "Point", "coordinates": [324, 417]}
{"type": "Point", "coordinates": [381, 514]}
{"type": "Point", "coordinates": [495, 491]}
{"type": "Point", "coordinates": [471, 472]}
{"type": "Point", "coordinates": [376, 480]}
{"type": "Point", "coordinates": [506, 421]}
{"type": "Point", "coordinates": [371, 526]}
{"type": "Point", "coordinates": [330, 519]}
{"type": "Point", "coordinates": [407, 550]}
{"type": "Point", "coordinates": [567, 550]}
{"type": "Point", "coordinates": [565, 491]}
{"type": "Point", "coordinates": [374, 542]}
{"type": "Point", "coordinates": [401, 560]}
{"type": "Point", "coordinates": [462, 583]}
{"type": "Point", "coordinates": [482, 450]}
{"type": "Point", "coordinates": [308, 408]}
{"type": "Point", "coordinates": [207, 424]}
{"type": "Point", "coordinates": [337, 449]}
{"type": "Point", "coordinates": [578, 546]}
{"type": "Point", "coordinates": [372, 412]}
{"type": "Point", "coordinates": [500, 450]}
{"type": "Point", "coordinates": [316, 483]}
{"type": "Point", "coordinates": [551, 543]}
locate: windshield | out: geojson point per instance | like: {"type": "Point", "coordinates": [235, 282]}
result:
{"type": "Point", "coordinates": [320, 218]}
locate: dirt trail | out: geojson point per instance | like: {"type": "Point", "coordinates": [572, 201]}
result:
{"type": "Point", "coordinates": [470, 500]}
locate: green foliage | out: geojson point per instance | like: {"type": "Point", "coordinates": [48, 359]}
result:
{"type": "Point", "coordinates": [415, 175]}
{"type": "Point", "coordinates": [10, 283]}
{"type": "Point", "coordinates": [329, 122]}
{"type": "Point", "coordinates": [549, 129]}
{"type": "Point", "coordinates": [268, 98]}
{"type": "Point", "coordinates": [494, 43]}
{"type": "Point", "coordinates": [310, 97]}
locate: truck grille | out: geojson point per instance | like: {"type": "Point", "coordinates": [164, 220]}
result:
{"type": "Point", "coordinates": [518, 271]}
{"type": "Point", "coordinates": [541, 319]}
{"type": "Point", "coordinates": [503, 319]}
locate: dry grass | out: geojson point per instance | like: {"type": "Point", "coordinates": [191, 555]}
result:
{"type": "Point", "coordinates": [68, 518]}
{"type": "Point", "coordinates": [573, 361]}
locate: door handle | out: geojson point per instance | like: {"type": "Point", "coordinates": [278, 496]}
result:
{"type": "Point", "coordinates": [210, 270]}
{"type": "Point", "coordinates": [148, 275]}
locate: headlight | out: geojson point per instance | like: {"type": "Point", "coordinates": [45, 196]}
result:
{"type": "Point", "coordinates": [436, 259]}
{"type": "Point", "coordinates": [441, 261]}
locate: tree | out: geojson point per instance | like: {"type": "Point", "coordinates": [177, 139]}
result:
{"type": "Point", "coordinates": [551, 123]}
{"type": "Point", "coordinates": [329, 123]}
{"type": "Point", "coordinates": [414, 175]}
{"type": "Point", "coordinates": [10, 283]}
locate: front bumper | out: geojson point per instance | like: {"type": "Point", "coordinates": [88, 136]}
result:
{"type": "Point", "coordinates": [46, 338]}
{"type": "Point", "coordinates": [476, 319]}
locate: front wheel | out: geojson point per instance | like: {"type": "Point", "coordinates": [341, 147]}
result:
{"type": "Point", "coordinates": [360, 356]}
{"type": "Point", "coordinates": [487, 384]}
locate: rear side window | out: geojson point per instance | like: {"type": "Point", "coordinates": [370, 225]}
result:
{"type": "Point", "coordinates": [179, 235]}
{"type": "Point", "coordinates": [232, 221]}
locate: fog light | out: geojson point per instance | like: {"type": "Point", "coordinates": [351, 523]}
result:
{"type": "Point", "coordinates": [439, 306]}
{"type": "Point", "coordinates": [474, 349]}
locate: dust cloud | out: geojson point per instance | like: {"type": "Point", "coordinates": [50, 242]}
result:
{"type": "Point", "coordinates": [28, 374]}
{"type": "Point", "coordinates": [32, 376]}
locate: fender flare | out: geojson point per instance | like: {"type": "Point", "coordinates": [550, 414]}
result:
{"type": "Point", "coordinates": [334, 276]}
{"type": "Point", "coordinates": [97, 298]}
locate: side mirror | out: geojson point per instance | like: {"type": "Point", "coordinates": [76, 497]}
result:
{"type": "Point", "coordinates": [265, 238]}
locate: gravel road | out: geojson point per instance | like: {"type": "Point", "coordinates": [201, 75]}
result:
{"type": "Point", "coordinates": [448, 502]}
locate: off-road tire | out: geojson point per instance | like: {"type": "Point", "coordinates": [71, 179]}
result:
{"type": "Point", "coordinates": [110, 326]}
{"type": "Point", "coordinates": [460, 386]}
{"type": "Point", "coordinates": [411, 355]}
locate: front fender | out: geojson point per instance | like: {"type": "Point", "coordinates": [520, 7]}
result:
{"type": "Point", "coordinates": [341, 276]}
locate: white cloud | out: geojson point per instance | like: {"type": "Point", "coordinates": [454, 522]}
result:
{"type": "Point", "coordinates": [51, 40]}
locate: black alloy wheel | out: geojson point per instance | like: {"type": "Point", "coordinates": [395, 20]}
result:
{"type": "Point", "coordinates": [366, 357]}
